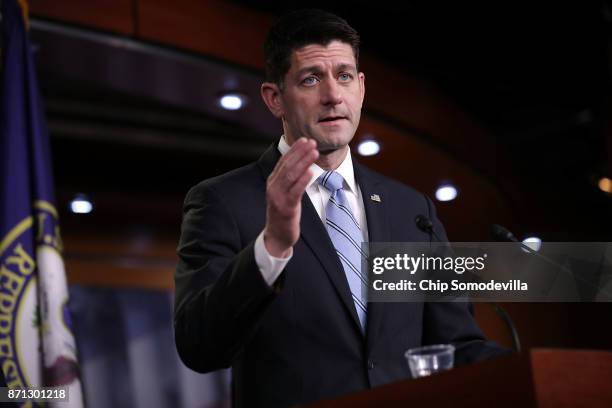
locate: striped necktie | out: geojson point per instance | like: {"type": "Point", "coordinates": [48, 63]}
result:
{"type": "Point", "coordinates": [346, 236]}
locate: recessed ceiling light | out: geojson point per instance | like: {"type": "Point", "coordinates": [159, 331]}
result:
{"type": "Point", "coordinates": [81, 204]}
{"type": "Point", "coordinates": [534, 243]}
{"type": "Point", "coordinates": [446, 192]}
{"type": "Point", "coordinates": [368, 147]}
{"type": "Point", "coordinates": [232, 101]}
{"type": "Point", "coordinates": [605, 185]}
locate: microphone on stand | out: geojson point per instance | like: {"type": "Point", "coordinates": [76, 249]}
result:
{"type": "Point", "coordinates": [425, 225]}
{"type": "Point", "coordinates": [504, 235]}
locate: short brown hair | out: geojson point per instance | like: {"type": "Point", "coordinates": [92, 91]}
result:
{"type": "Point", "coordinates": [301, 28]}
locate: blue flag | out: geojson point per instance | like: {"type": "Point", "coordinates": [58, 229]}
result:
{"type": "Point", "coordinates": [37, 347]}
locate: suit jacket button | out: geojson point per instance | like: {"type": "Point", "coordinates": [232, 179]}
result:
{"type": "Point", "coordinates": [370, 364]}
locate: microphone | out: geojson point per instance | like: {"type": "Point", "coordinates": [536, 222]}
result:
{"type": "Point", "coordinates": [425, 225]}
{"type": "Point", "coordinates": [502, 234]}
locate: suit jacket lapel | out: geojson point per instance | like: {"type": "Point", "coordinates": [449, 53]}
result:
{"type": "Point", "coordinates": [315, 236]}
{"type": "Point", "coordinates": [374, 199]}
{"type": "Point", "coordinates": [268, 160]}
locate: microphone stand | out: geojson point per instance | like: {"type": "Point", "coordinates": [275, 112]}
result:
{"type": "Point", "coordinates": [425, 225]}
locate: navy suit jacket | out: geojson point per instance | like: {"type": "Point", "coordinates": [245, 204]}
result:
{"type": "Point", "coordinates": [300, 340]}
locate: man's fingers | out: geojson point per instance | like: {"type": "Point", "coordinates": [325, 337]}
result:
{"type": "Point", "coordinates": [286, 186]}
{"type": "Point", "coordinates": [296, 191]}
{"type": "Point", "coordinates": [294, 163]}
{"type": "Point", "coordinates": [298, 148]}
{"type": "Point", "coordinates": [298, 169]}
{"type": "Point", "coordinates": [301, 147]}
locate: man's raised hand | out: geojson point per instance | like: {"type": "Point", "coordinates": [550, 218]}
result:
{"type": "Point", "coordinates": [285, 188]}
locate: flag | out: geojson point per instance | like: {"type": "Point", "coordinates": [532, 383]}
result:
{"type": "Point", "coordinates": [37, 347]}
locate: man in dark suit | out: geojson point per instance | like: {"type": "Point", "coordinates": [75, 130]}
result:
{"type": "Point", "coordinates": [266, 277]}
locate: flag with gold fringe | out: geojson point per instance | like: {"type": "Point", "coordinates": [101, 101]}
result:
{"type": "Point", "coordinates": [37, 347]}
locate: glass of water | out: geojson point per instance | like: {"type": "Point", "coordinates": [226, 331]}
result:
{"type": "Point", "coordinates": [427, 360]}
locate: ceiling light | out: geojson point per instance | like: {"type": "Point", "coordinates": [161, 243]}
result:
{"type": "Point", "coordinates": [368, 147]}
{"type": "Point", "coordinates": [534, 243]}
{"type": "Point", "coordinates": [446, 192]}
{"type": "Point", "coordinates": [81, 204]}
{"type": "Point", "coordinates": [232, 101]}
{"type": "Point", "coordinates": [605, 185]}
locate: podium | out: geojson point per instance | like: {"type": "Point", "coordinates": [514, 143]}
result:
{"type": "Point", "coordinates": [540, 378]}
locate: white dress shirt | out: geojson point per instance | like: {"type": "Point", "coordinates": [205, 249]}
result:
{"type": "Point", "coordinates": [271, 266]}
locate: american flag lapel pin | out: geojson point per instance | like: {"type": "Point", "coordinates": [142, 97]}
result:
{"type": "Point", "coordinates": [375, 197]}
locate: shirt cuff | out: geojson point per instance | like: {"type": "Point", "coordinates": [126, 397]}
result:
{"type": "Point", "coordinates": [269, 266]}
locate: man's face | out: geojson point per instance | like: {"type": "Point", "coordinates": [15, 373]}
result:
{"type": "Point", "coordinates": [322, 95]}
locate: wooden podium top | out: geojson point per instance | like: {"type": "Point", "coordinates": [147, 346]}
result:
{"type": "Point", "coordinates": [538, 378]}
